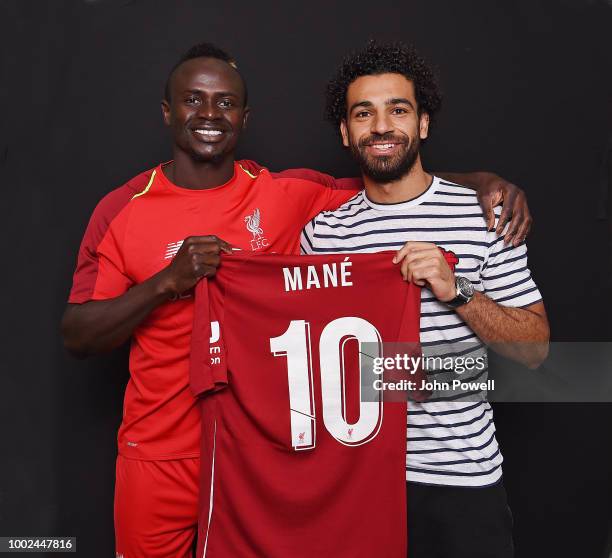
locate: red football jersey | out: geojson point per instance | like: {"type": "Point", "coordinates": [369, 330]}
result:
{"type": "Point", "coordinates": [133, 234]}
{"type": "Point", "coordinates": [294, 462]}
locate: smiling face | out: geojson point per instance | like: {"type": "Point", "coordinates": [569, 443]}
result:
{"type": "Point", "coordinates": [206, 111]}
{"type": "Point", "coordinates": [383, 127]}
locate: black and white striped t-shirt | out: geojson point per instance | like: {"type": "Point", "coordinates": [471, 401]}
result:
{"type": "Point", "coordinates": [450, 442]}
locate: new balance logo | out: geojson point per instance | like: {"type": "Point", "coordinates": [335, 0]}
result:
{"type": "Point", "coordinates": [172, 249]}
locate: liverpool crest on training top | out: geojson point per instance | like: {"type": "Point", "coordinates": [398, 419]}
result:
{"type": "Point", "coordinates": [253, 225]}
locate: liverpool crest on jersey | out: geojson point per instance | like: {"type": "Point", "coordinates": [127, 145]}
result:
{"type": "Point", "coordinates": [253, 225]}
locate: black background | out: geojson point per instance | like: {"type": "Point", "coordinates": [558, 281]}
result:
{"type": "Point", "coordinates": [528, 89]}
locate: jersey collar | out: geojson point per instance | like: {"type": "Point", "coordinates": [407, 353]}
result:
{"type": "Point", "coordinates": [401, 206]}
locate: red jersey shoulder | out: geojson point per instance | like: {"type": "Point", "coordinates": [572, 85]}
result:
{"type": "Point", "coordinates": [103, 215]}
{"type": "Point", "coordinates": [255, 170]}
{"type": "Point", "coordinates": [251, 167]}
{"type": "Point", "coordinates": [309, 175]}
{"type": "Point", "coordinates": [113, 202]}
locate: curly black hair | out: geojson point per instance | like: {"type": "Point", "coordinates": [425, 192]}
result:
{"type": "Point", "coordinates": [204, 50]}
{"type": "Point", "coordinates": [381, 58]}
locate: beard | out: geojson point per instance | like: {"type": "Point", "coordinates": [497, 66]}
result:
{"type": "Point", "coordinates": [383, 169]}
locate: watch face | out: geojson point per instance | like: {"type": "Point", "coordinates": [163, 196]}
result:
{"type": "Point", "coordinates": [464, 286]}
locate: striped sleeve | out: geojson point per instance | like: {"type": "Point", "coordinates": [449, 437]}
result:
{"type": "Point", "coordinates": [307, 238]}
{"type": "Point", "coordinates": [506, 277]}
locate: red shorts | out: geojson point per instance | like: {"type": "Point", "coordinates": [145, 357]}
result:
{"type": "Point", "coordinates": [156, 507]}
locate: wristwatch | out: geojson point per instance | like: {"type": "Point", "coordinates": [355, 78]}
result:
{"type": "Point", "coordinates": [464, 290]}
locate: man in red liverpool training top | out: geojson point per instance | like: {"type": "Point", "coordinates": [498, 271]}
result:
{"type": "Point", "coordinates": [146, 246]}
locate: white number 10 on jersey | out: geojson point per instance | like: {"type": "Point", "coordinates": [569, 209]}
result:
{"type": "Point", "coordinates": [296, 345]}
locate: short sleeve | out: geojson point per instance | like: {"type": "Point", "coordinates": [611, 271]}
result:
{"type": "Point", "coordinates": [505, 274]}
{"type": "Point", "coordinates": [112, 280]}
{"type": "Point", "coordinates": [87, 272]}
{"type": "Point", "coordinates": [99, 255]}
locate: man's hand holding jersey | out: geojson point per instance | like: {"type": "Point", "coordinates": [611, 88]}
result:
{"type": "Point", "coordinates": [98, 326]}
{"type": "Point", "coordinates": [520, 334]}
{"type": "Point", "coordinates": [423, 264]}
{"type": "Point", "coordinates": [198, 257]}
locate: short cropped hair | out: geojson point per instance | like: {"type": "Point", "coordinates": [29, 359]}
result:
{"type": "Point", "coordinates": [204, 50]}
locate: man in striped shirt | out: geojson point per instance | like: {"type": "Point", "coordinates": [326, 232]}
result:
{"type": "Point", "coordinates": [383, 100]}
